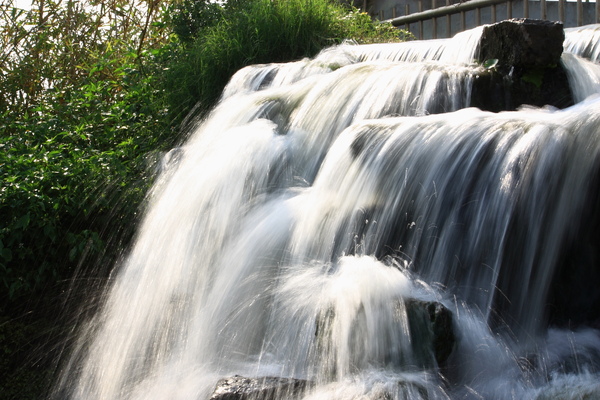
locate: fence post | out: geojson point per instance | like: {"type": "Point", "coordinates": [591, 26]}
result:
{"type": "Point", "coordinates": [526, 8]}
{"type": "Point", "coordinates": [434, 22]}
{"type": "Point", "coordinates": [543, 9]}
{"type": "Point", "coordinates": [448, 22]}
{"type": "Point", "coordinates": [579, 13]}
{"type": "Point", "coordinates": [509, 9]}
{"type": "Point", "coordinates": [561, 10]}
{"type": "Point", "coordinates": [421, 22]}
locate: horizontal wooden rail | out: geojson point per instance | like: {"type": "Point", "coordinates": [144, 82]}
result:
{"type": "Point", "coordinates": [425, 22]}
{"type": "Point", "coordinates": [443, 11]}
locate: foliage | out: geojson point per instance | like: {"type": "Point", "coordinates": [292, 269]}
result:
{"type": "Point", "coordinates": [81, 108]}
{"type": "Point", "coordinates": [259, 31]}
{"type": "Point", "coordinates": [188, 18]}
{"type": "Point", "coordinates": [360, 27]}
{"type": "Point", "coordinates": [18, 342]}
{"type": "Point", "coordinates": [78, 112]}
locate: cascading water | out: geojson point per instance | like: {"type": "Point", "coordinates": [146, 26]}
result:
{"type": "Point", "coordinates": [290, 235]}
{"type": "Point", "coordinates": [583, 41]}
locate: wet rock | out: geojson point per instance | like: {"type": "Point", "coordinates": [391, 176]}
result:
{"type": "Point", "coordinates": [401, 390]}
{"type": "Point", "coordinates": [409, 390]}
{"type": "Point", "coordinates": [430, 325]}
{"type": "Point", "coordinates": [521, 65]}
{"type": "Point", "coordinates": [264, 388]}
{"type": "Point", "coordinates": [495, 91]}
{"type": "Point", "coordinates": [574, 298]}
{"type": "Point", "coordinates": [522, 43]}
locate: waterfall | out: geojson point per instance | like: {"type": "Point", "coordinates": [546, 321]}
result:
{"type": "Point", "coordinates": [295, 231]}
{"type": "Point", "coordinates": [583, 41]}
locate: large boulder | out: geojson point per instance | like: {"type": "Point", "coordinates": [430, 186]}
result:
{"type": "Point", "coordinates": [522, 43]}
{"type": "Point", "coordinates": [521, 65]}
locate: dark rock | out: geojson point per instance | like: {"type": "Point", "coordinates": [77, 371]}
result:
{"type": "Point", "coordinates": [522, 43]}
{"type": "Point", "coordinates": [403, 390]}
{"type": "Point", "coordinates": [494, 91]}
{"type": "Point", "coordinates": [521, 66]}
{"type": "Point", "coordinates": [431, 329]}
{"type": "Point", "coordinates": [574, 298]}
{"type": "Point", "coordinates": [265, 388]}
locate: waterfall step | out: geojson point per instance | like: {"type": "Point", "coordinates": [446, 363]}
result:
{"type": "Point", "coordinates": [522, 43]}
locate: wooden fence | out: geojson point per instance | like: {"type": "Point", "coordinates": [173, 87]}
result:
{"type": "Point", "coordinates": [427, 19]}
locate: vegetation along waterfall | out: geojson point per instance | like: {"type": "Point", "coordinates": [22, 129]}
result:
{"type": "Point", "coordinates": [354, 226]}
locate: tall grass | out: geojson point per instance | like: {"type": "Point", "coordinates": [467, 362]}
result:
{"type": "Point", "coordinates": [261, 31]}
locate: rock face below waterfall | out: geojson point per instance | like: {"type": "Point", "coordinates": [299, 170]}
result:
{"type": "Point", "coordinates": [521, 66]}
{"type": "Point", "coordinates": [266, 388]}
{"type": "Point", "coordinates": [430, 325]}
{"type": "Point", "coordinates": [432, 337]}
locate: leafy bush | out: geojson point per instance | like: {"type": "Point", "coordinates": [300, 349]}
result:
{"type": "Point", "coordinates": [81, 108]}
{"type": "Point", "coordinates": [188, 18]}
{"type": "Point", "coordinates": [78, 112]}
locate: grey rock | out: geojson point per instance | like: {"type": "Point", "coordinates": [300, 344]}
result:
{"type": "Point", "coordinates": [264, 388]}
{"type": "Point", "coordinates": [521, 65]}
{"type": "Point", "coordinates": [522, 43]}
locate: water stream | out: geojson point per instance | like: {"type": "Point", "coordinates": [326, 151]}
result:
{"type": "Point", "coordinates": [332, 192]}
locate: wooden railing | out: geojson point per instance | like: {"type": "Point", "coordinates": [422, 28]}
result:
{"type": "Point", "coordinates": [447, 20]}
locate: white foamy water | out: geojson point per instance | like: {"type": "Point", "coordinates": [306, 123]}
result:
{"type": "Point", "coordinates": [294, 232]}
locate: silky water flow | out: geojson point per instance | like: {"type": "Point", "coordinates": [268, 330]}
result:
{"type": "Point", "coordinates": [289, 235]}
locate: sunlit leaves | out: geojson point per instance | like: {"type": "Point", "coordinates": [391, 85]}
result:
{"type": "Point", "coordinates": [79, 109]}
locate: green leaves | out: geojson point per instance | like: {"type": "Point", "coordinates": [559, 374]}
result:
{"type": "Point", "coordinates": [5, 253]}
{"type": "Point", "coordinates": [79, 110]}
{"type": "Point", "coordinates": [490, 64]}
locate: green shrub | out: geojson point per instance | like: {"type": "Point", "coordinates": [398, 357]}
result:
{"type": "Point", "coordinates": [81, 108]}
{"type": "Point", "coordinates": [79, 112]}
{"type": "Point", "coordinates": [260, 31]}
